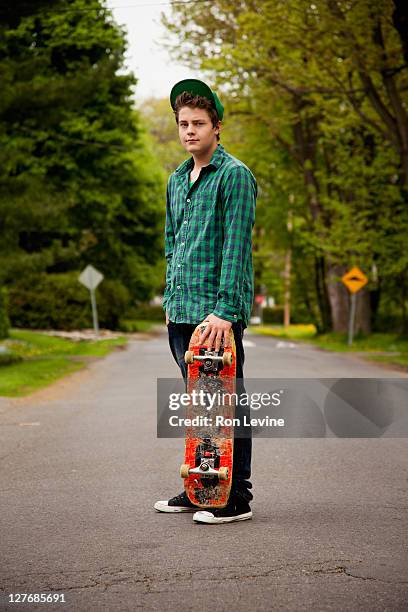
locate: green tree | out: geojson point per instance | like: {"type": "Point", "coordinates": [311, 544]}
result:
{"type": "Point", "coordinates": [324, 85]}
{"type": "Point", "coordinates": [159, 120]}
{"type": "Point", "coordinates": [4, 320]}
{"type": "Point", "coordinates": [79, 182]}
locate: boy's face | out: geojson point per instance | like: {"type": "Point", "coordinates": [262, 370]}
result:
{"type": "Point", "coordinates": [196, 131]}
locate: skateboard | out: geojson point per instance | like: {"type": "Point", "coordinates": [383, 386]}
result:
{"type": "Point", "coordinates": [209, 442]}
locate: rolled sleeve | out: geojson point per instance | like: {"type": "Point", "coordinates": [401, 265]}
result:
{"type": "Point", "coordinates": [239, 204]}
{"type": "Point", "coordinates": [168, 248]}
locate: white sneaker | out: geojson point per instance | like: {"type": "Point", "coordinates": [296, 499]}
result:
{"type": "Point", "coordinates": [229, 514]}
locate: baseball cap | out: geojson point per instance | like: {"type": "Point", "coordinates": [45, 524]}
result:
{"type": "Point", "coordinates": [198, 88]}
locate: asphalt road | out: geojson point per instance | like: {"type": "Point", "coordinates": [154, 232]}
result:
{"type": "Point", "coordinates": [81, 468]}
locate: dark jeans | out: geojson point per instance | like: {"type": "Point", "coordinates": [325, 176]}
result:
{"type": "Point", "coordinates": [179, 338]}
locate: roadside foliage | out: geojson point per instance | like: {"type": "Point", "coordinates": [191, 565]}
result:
{"type": "Point", "coordinates": [316, 96]}
{"type": "Point", "coordinates": [79, 182]}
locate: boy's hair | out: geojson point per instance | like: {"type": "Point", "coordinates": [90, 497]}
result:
{"type": "Point", "coordinates": [189, 99]}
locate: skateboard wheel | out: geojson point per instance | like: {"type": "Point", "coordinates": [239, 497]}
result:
{"type": "Point", "coordinates": [189, 357]}
{"type": "Point", "coordinates": [184, 469]}
{"type": "Point", "coordinates": [223, 473]}
{"type": "Point", "coordinates": [227, 359]}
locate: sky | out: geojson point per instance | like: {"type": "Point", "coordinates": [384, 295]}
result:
{"type": "Point", "coordinates": [151, 64]}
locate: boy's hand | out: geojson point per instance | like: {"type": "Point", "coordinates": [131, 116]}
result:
{"type": "Point", "coordinates": [216, 329]}
{"type": "Point", "coordinates": [167, 318]}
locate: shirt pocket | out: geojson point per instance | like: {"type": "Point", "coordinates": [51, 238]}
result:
{"type": "Point", "coordinates": [204, 210]}
{"type": "Point", "coordinates": [204, 199]}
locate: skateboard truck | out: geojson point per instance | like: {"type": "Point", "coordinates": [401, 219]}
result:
{"type": "Point", "coordinates": [204, 470]}
{"type": "Point", "coordinates": [209, 359]}
{"type": "Point", "coordinates": [206, 462]}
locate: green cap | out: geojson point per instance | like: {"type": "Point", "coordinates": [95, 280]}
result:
{"type": "Point", "coordinates": [198, 88]}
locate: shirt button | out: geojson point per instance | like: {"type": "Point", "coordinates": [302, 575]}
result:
{"type": "Point", "coordinates": [182, 244]}
{"type": "Point", "coordinates": [188, 200]}
{"type": "Point", "coordinates": [178, 265]}
{"type": "Point", "coordinates": [235, 316]}
{"type": "Point", "coordinates": [185, 222]}
{"type": "Point", "coordinates": [178, 287]}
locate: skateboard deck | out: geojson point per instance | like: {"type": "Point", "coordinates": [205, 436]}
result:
{"type": "Point", "coordinates": [209, 442]}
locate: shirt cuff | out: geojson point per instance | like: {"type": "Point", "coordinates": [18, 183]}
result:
{"type": "Point", "coordinates": [165, 300]}
{"type": "Point", "coordinates": [226, 312]}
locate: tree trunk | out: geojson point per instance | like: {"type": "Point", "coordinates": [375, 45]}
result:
{"type": "Point", "coordinates": [375, 296]}
{"type": "Point", "coordinates": [362, 324]}
{"type": "Point", "coordinates": [322, 295]}
{"type": "Point", "coordinates": [305, 141]}
{"type": "Point", "coordinates": [287, 275]}
{"type": "Point", "coordinates": [403, 286]}
{"type": "Point", "coordinates": [339, 298]}
{"type": "Point", "coordinates": [286, 307]}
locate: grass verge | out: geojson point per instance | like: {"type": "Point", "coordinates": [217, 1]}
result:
{"type": "Point", "coordinates": [45, 359]}
{"type": "Point", "coordinates": [381, 347]}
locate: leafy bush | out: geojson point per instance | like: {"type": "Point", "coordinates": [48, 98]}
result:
{"type": "Point", "coordinates": [59, 301]}
{"type": "Point", "coordinates": [273, 315]}
{"type": "Point", "coordinates": [148, 313]}
{"type": "Point", "coordinates": [131, 326]}
{"type": "Point", "coordinates": [8, 358]}
{"type": "Point", "coordinates": [4, 320]}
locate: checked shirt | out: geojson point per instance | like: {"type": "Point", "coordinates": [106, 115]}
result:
{"type": "Point", "coordinates": [208, 242]}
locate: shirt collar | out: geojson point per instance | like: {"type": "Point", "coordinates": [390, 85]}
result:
{"type": "Point", "coordinates": [216, 160]}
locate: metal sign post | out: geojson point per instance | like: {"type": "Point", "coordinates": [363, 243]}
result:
{"type": "Point", "coordinates": [94, 312]}
{"type": "Point", "coordinates": [354, 280]}
{"type": "Point", "coordinates": [352, 318]}
{"type": "Point", "coordinates": [90, 277]}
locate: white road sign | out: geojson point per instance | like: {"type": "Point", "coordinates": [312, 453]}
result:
{"type": "Point", "coordinates": [90, 277]}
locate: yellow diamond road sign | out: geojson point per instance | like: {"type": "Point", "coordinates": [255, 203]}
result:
{"type": "Point", "coordinates": [354, 279]}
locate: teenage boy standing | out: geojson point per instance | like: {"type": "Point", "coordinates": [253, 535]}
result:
{"type": "Point", "coordinates": [210, 212]}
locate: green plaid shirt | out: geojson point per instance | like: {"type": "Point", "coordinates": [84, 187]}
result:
{"type": "Point", "coordinates": [208, 242]}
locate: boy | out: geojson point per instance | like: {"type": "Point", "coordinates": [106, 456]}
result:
{"type": "Point", "coordinates": [210, 212]}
